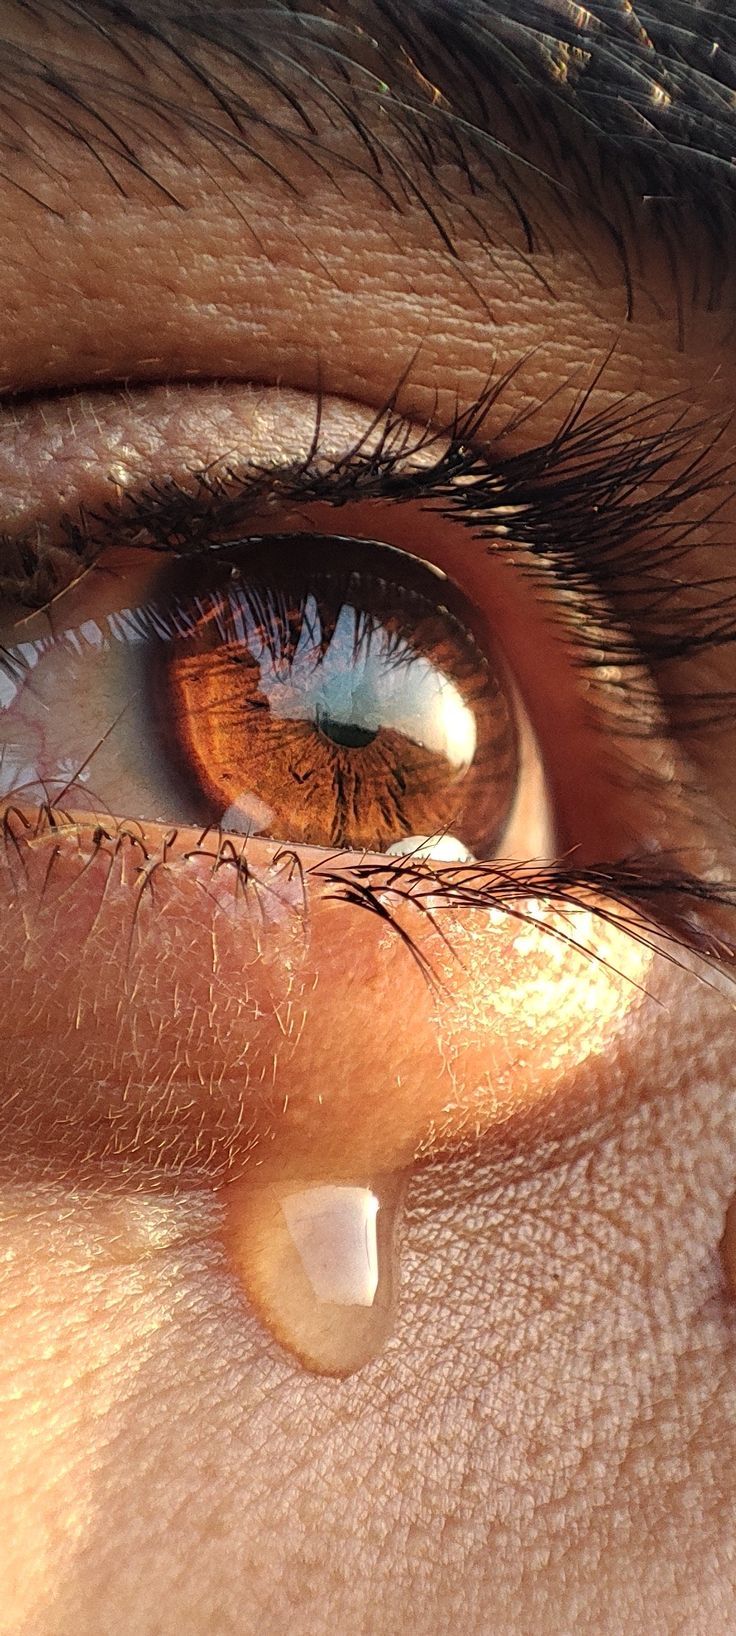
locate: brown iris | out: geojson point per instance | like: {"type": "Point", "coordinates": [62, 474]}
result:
{"type": "Point", "coordinates": [330, 691]}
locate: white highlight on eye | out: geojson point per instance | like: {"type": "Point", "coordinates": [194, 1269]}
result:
{"type": "Point", "coordinates": [454, 726]}
{"type": "Point", "coordinates": [443, 848]}
{"type": "Point", "coordinates": [366, 682]}
{"type": "Point", "coordinates": [91, 633]}
{"type": "Point", "coordinates": [8, 690]}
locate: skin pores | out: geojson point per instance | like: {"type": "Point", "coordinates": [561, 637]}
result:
{"type": "Point", "coordinates": [556, 1403]}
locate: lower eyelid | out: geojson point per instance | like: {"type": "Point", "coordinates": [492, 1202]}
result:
{"type": "Point", "coordinates": [171, 1018]}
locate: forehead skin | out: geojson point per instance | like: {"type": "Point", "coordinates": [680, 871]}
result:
{"type": "Point", "coordinates": [202, 256]}
{"type": "Point", "coordinates": [548, 1442]}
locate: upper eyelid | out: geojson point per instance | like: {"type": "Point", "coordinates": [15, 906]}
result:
{"type": "Point", "coordinates": [581, 500]}
{"type": "Point", "coordinates": [578, 508]}
{"type": "Point", "coordinates": [469, 463]}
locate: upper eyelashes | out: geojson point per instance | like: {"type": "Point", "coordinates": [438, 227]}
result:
{"type": "Point", "coordinates": [613, 507]}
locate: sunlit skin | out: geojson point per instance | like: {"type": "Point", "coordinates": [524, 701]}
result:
{"type": "Point", "coordinates": [502, 1020]}
{"type": "Point", "coordinates": [547, 1440]}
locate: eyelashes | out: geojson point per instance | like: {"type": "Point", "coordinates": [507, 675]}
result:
{"type": "Point", "coordinates": [602, 512]}
{"type": "Point", "coordinates": [642, 897]}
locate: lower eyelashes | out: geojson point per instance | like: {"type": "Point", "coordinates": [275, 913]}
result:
{"type": "Point", "coordinates": [190, 1001]}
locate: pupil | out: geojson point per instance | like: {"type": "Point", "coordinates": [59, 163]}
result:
{"type": "Point", "coordinates": [347, 733]}
{"type": "Point", "coordinates": [330, 692]}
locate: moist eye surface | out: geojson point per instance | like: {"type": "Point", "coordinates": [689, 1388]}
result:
{"type": "Point", "coordinates": [313, 689]}
{"type": "Point", "coordinates": [331, 692]}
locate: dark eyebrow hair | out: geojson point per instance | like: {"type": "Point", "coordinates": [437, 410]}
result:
{"type": "Point", "coordinates": [609, 99]}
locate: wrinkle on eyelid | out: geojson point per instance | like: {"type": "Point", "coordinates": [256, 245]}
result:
{"type": "Point", "coordinates": [173, 1017]}
{"type": "Point", "coordinates": [92, 448]}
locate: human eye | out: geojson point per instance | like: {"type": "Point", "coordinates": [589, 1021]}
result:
{"type": "Point", "coordinates": [308, 686]}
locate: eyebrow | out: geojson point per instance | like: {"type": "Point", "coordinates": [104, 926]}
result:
{"type": "Point", "coordinates": [608, 100]}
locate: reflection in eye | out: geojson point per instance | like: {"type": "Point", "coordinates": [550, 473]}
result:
{"type": "Point", "coordinates": [327, 692]}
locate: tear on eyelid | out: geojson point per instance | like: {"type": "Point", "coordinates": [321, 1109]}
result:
{"type": "Point", "coordinates": [171, 1017]}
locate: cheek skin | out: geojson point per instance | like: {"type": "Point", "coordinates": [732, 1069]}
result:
{"type": "Point", "coordinates": [168, 1017]}
{"type": "Point", "coordinates": [557, 1331]}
